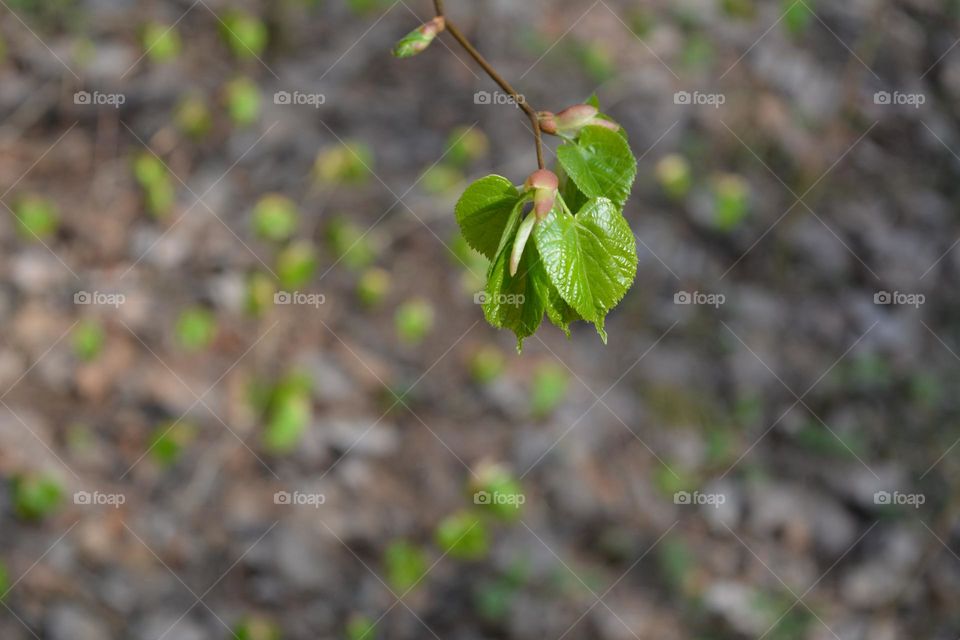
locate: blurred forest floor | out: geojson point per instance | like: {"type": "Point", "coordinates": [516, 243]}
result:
{"type": "Point", "coordinates": [246, 391]}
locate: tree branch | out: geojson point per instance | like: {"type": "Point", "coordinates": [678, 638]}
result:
{"type": "Point", "coordinates": [519, 100]}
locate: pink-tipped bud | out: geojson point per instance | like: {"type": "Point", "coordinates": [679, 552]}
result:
{"type": "Point", "coordinates": [548, 122]}
{"type": "Point", "coordinates": [606, 124]}
{"type": "Point", "coordinates": [419, 39]}
{"type": "Point", "coordinates": [576, 117]}
{"type": "Point", "coordinates": [544, 184]}
{"type": "Point", "coordinates": [571, 120]}
{"type": "Point", "coordinates": [543, 179]}
{"type": "Point", "coordinates": [432, 28]}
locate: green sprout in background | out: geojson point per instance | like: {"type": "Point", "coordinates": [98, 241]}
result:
{"type": "Point", "coordinates": [797, 16]}
{"type": "Point", "coordinates": [87, 340]}
{"type": "Point", "coordinates": [161, 42]}
{"type": "Point", "coordinates": [497, 492]}
{"type": "Point", "coordinates": [36, 497]}
{"type": "Point", "coordinates": [673, 174]}
{"type": "Point", "coordinates": [193, 116]}
{"type": "Point", "coordinates": [405, 564]}
{"type": "Point", "coordinates": [289, 412]}
{"type": "Point", "coordinates": [296, 264]}
{"type": "Point", "coordinates": [463, 535]}
{"type": "Point", "coordinates": [373, 286]}
{"type": "Point", "coordinates": [196, 329]}
{"type": "Point", "coordinates": [351, 245]}
{"type": "Point", "coordinates": [360, 627]}
{"type": "Point", "coordinates": [243, 101]}
{"type": "Point", "coordinates": [548, 390]}
{"type": "Point", "coordinates": [256, 628]}
{"type": "Point", "coordinates": [466, 145]}
{"type": "Point", "coordinates": [169, 441]}
{"type": "Point", "coordinates": [362, 7]}
{"type": "Point", "coordinates": [731, 201]}
{"type": "Point", "coordinates": [245, 34]}
{"type": "Point", "coordinates": [37, 217]}
{"type": "Point", "coordinates": [346, 163]}
{"type": "Point", "coordinates": [155, 180]}
{"type": "Point", "coordinates": [4, 580]}
{"type": "Point", "coordinates": [487, 364]}
{"type": "Point", "coordinates": [414, 321]}
{"type": "Point", "coordinates": [275, 217]}
{"type": "Point", "coordinates": [259, 293]}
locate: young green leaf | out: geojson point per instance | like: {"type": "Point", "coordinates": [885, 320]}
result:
{"type": "Point", "coordinates": [559, 312]}
{"type": "Point", "coordinates": [520, 241]}
{"type": "Point", "coordinates": [483, 212]}
{"type": "Point", "coordinates": [516, 302]}
{"type": "Point", "coordinates": [600, 163]}
{"type": "Point", "coordinates": [419, 39]}
{"type": "Point", "coordinates": [591, 258]}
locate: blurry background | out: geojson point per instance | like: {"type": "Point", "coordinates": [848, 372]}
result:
{"type": "Point", "coordinates": [245, 389]}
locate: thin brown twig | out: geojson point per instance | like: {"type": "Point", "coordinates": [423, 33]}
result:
{"type": "Point", "coordinates": [519, 100]}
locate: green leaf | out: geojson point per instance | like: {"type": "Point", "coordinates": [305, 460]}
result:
{"type": "Point", "coordinates": [559, 312]}
{"type": "Point", "coordinates": [516, 302]}
{"type": "Point", "coordinates": [520, 241]}
{"type": "Point", "coordinates": [600, 163]}
{"type": "Point", "coordinates": [591, 258]}
{"type": "Point", "coordinates": [483, 212]}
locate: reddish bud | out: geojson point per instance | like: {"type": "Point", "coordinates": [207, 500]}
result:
{"type": "Point", "coordinates": [544, 184]}
{"type": "Point", "coordinates": [543, 179]}
{"type": "Point", "coordinates": [432, 28]}
{"type": "Point", "coordinates": [576, 117]}
{"type": "Point", "coordinates": [571, 120]}
{"type": "Point", "coordinates": [548, 122]}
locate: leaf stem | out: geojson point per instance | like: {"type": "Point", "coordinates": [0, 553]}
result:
{"type": "Point", "coordinates": [519, 100]}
